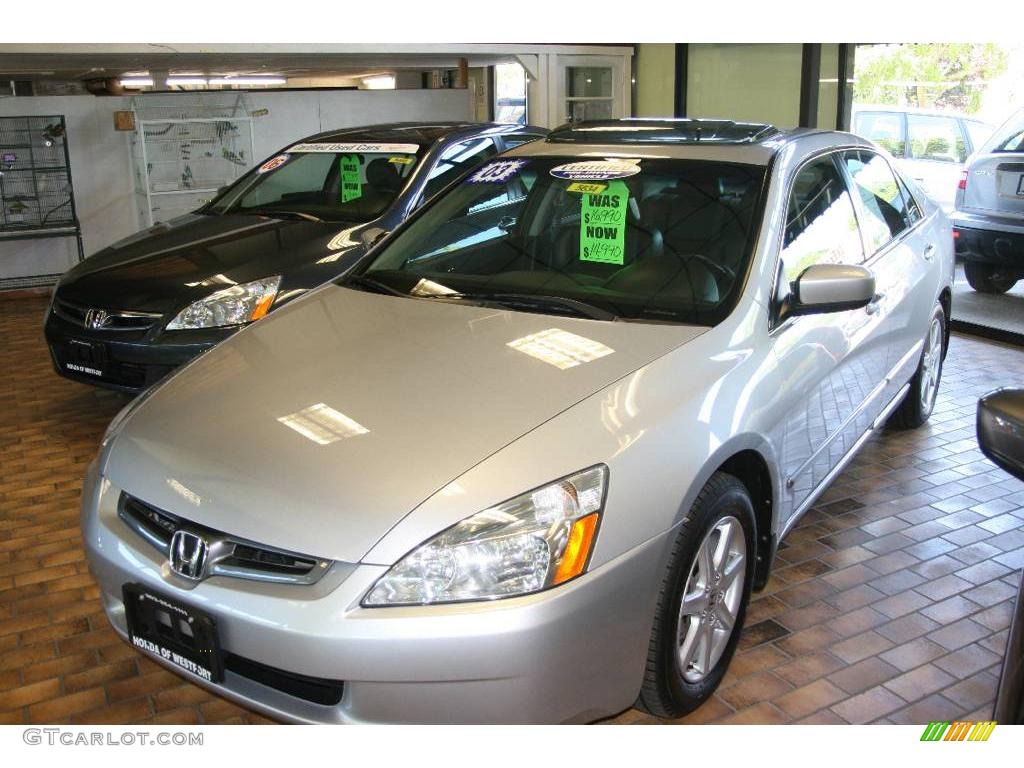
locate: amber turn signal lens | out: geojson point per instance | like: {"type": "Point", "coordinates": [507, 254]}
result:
{"type": "Point", "coordinates": [262, 307]}
{"type": "Point", "coordinates": [577, 550]}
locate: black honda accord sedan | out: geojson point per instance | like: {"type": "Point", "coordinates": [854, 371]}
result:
{"type": "Point", "coordinates": [131, 313]}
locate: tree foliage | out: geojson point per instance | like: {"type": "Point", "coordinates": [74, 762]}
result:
{"type": "Point", "coordinates": [944, 75]}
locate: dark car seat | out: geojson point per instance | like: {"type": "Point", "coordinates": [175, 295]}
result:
{"type": "Point", "coordinates": [382, 176]}
{"type": "Point", "coordinates": [699, 233]}
{"type": "Point", "coordinates": [383, 184]}
{"type": "Point", "coordinates": [640, 241]}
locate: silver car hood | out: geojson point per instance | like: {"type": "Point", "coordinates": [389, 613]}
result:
{"type": "Point", "coordinates": [318, 429]}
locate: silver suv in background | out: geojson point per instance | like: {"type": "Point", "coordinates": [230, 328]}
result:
{"type": "Point", "coordinates": [989, 220]}
{"type": "Point", "coordinates": [929, 146]}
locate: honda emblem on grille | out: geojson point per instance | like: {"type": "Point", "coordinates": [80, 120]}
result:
{"type": "Point", "coordinates": [96, 318]}
{"type": "Point", "coordinates": [188, 554]}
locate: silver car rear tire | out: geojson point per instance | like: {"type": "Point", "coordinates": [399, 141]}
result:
{"type": "Point", "coordinates": [703, 600]}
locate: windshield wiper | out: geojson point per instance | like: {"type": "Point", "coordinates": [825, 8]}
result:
{"type": "Point", "coordinates": [274, 213]}
{"type": "Point", "coordinates": [538, 301]}
{"type": "Point", "coordinates": [370, 283]}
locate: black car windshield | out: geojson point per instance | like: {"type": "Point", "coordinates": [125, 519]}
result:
{"type": "Point", "coordinates": [655, 239]}
{"type": "Point", "coordinates": [332, 182]}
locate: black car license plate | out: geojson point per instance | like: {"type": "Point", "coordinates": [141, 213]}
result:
{"type": "Point", "coordinates": [177, 633]}
{"type": "Point", "coordinates": [86, 357]}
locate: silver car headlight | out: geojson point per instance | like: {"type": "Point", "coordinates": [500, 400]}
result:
{"type": "Point", "coordinates": [538, 540]}
{"type": "Point", "coordinates": [238, 304]}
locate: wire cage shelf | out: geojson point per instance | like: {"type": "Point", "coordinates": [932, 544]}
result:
{"type": "Point", "coordinates": [36, 195]}
{"type": "Point", "coordinates": [186, 147]}
{"type": "Point", "coordinates": [35, 177]}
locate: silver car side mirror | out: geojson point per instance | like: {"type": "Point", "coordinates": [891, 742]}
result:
{"type": "Point", "coordinates": [831, 288]}
{"type": "Point", "coordinates": [1001, 429]}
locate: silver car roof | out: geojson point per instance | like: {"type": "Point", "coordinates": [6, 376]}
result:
{"type": "Point", "coordinates": [807, 140]}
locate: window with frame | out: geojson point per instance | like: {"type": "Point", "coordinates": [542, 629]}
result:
{"type": "Point", "coordinates": [936, 138]}
{"type": "Point", "coordinates": [821, 227]}
{"type": "Point", "coordinates": [455, 160]}
{"type": "Point", "coordinates": [914, 212]}
{"type": "Point", "coordinates": [885, 129]}
{"type": "Point", "coordinates": [977, 132]}
{"type": "Point", "coordinates": [882, 203]}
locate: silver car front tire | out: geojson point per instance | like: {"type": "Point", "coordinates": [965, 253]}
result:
{"type": "Point", "coordinates": [703, 600]}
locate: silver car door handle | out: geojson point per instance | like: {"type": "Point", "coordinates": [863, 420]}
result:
{"type": "Point", "coordinates": [929, 251]}
{"type": "Point", "coordinates": [873, 306]}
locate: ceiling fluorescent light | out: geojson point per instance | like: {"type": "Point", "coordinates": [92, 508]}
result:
{"type": "Point", "coordinates": [186, 81]}
{"type": "Point", "coordinates": [379, 82]}
{"type": "Point", "coordinates": [248, 80]}
{"type": "Point", "coordinates": [136, 82]}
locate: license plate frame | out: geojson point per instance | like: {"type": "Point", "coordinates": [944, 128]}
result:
{"type": "Point", "coordinates": [179, 634]}
{"type": "Point", "coordinates": [84, 357]}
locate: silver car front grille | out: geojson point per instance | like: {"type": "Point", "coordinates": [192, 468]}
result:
{"type": "Point", "coordinates": [228, 555]}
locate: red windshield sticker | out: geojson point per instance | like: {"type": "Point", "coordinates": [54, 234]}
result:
{"type": "Point", "coordinates": [275, 162]}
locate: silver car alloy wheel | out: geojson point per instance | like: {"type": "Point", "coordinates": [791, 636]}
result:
{"type": "Point", "coordinates": [931, 366]}
{"type": "Point", "coordinates": [711, 599]}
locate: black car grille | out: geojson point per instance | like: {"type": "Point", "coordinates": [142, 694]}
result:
{"type": "Point", "coordinates": [235, 557]}
{"type": "Point", "coordinates": [114, 320]}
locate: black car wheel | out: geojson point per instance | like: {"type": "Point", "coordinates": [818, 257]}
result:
{"type": "Point", "coordinates": [986, 279]}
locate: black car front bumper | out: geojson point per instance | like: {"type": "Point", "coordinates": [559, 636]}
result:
{"type": "Point", "coordinates": [126, 361]}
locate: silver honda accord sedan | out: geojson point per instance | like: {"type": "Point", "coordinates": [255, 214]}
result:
{"type": "Point", "coordinates": [526, 461]}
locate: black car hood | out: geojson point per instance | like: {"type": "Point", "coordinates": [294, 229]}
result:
{"type": "Point", "coordinates": [170, 265]}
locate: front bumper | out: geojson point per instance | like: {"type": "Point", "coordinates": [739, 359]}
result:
{"type": "Point", "coordinates": [572, 654]}
{"type": "Point", "coordinates": [129, 362]}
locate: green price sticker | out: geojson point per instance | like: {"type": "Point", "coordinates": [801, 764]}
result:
{"type": "Point", "coordinates": [351, 186]}
{"type": "Point", "coordinates": [603, 225]}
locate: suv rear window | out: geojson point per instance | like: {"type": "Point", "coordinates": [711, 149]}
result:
{"type": "Point", "coordinates": [1013, 144]}
{"type": "Point", "coordinates": [659, 239]}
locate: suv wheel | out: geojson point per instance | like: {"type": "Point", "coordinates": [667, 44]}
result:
{"type": "Point", "coordinates": [986, 279]}
{"type": "Point", "coordinates": [703, 600]}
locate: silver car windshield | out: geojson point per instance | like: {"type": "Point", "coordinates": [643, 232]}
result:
{"type": "Point", "coordinates": [664, 240]}
{"type": "Point", "coordinates": [330, 186]}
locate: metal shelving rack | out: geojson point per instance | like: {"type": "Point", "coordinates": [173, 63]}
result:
{"type": "Point", "coordinates": [37, 199]}
{"type": "Point", "coordinates": [186, 148]}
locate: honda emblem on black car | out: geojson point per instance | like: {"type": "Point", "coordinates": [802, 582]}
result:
{"type": "Point", "coordinates": [188, 554]}
{"type": "Point", "coordinates": [96, 318]}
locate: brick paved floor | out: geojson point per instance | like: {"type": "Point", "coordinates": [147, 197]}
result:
{"type": "Point", "coordinates": [890, 601]}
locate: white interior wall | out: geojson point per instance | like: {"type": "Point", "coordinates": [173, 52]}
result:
{"type": "Point", "coordinates": [101, 164]}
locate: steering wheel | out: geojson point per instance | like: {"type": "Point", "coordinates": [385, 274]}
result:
{"type": "Point", "coordinates": [714, 266]}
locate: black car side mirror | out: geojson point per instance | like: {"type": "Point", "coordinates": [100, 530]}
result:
{"type": "Point", "coordinates": [1001, 437]}
{"type": "Point", "coordinates": [1001, 429]}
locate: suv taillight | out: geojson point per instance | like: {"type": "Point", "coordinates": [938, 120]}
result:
{"type": "Point", "coordinates": [963, 180]}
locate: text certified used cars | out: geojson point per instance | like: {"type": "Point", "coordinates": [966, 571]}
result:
{"type": "Point", "coordinates": [526, 461]}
